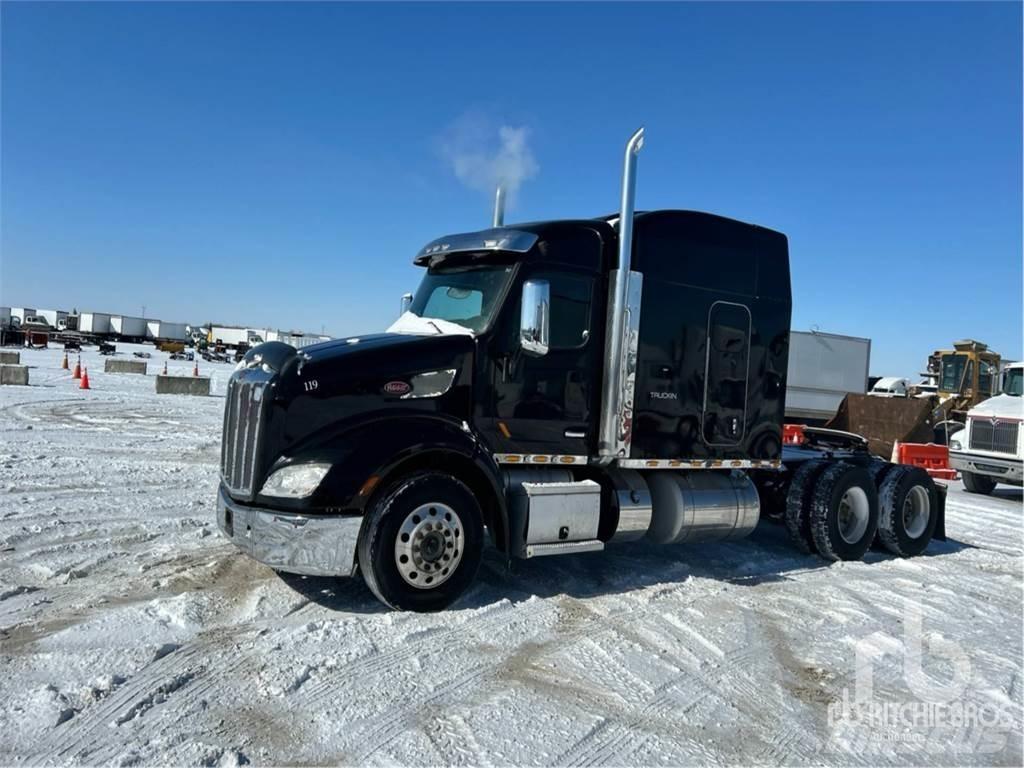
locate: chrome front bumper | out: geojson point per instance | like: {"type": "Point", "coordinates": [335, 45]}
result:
{"type": "Point", "coordinates": [1004, 470]}
{"type": "Point", "coordinates": [313, 545]}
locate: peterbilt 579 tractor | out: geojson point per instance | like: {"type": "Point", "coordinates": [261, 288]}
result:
{"type": "Point", "coordinates": [555, 387]}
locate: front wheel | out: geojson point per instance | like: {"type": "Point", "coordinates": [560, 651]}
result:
{"type": "Point", "coordinates": [978, 483]}
{"type": "Point", "coordinates": [421, 544]}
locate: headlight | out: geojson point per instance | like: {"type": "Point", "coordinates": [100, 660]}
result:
{"type": "Point", "coordinates": [955, 444]}
{"type": "Point", "coordinates": [295, 482]}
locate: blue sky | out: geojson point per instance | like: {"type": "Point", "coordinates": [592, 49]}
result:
{"type": "Point", "coordinates": [273, 165]}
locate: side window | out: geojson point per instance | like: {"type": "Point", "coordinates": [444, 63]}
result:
{"type": "Point", "coordinates": [570, 309]}
{"type": "Point", "coordinates": [985, 379]}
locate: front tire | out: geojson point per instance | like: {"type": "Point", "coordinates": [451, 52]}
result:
{"type": "Point", "coordinates": [422, 541]}
{"type": "Point", "coordinates": [844, 512]}
{"type": "Point", "coordinates": [978, 483]}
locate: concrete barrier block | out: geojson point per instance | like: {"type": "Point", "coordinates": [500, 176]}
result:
{"type": "Point", "coordinates": [10, 358]}
{"type": "Point", "coordinates": [182, 385]}
{"type": "Point", "coordinates": [14, 374]}
{"type": "Point", "coordinates": [124, 366]}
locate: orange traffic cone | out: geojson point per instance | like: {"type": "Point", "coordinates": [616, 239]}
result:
{"type": "Point", "coordinates": [78, 370]}
{"type": "Point", "coordinates": [195, 369]}
{"type": "Point", "coordinates": [64, 362]}
{"type": "Point", "coordinates": [165, 368]}
{"type": "Point", "coordinates": [84, 384]}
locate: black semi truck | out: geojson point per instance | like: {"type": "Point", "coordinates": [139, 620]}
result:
{"type": "Point", "coordinates": [557, 387]}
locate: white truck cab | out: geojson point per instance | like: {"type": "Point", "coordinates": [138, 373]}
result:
{"type": "Point", "coordinates": [890, 386]}
{"type": "Point", "coordinates": [990, 449]}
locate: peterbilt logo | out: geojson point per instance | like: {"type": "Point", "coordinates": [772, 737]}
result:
{"type": "Point", "coordinates": [396, 388]}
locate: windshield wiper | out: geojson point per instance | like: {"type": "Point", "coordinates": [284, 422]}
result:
{"type": "Point", "coordinates": [436, 326]}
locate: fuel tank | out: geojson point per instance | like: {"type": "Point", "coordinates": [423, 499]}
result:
{"type": "Point", "coordinates": [701, 505]}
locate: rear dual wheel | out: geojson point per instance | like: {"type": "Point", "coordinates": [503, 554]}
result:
{"type": "Point", "coordinates": [797, 515]}
{"type": "Point", "coordinates": [837, 509]}
{"type": "Point", "coordinates": [908, 505]}
{"type": "Point", "coordinates": [843, 512]}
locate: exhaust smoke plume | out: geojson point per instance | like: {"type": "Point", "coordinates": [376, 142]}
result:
{"type": "Point", "coordinates": [483, 157]}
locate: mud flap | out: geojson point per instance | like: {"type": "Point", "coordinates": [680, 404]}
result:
{"type": "Point", "coordinates": [940, 524]}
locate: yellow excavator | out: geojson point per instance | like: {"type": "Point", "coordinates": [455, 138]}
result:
{"type": "Point", "coordinates": [959, 379]}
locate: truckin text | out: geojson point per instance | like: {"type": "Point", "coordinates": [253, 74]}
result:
{"type": "Point", "coordinates": [558, 387]}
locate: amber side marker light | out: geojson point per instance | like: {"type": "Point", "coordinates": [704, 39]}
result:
{"type": "Point", "coordinates": [369, 485]}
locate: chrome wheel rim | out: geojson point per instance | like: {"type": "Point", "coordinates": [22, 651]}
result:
{"type": "Point", "coordinates": [854, 512]}
{"type": "Point", "coordinates": [428, 547]}
{"type": "Point", "coordinates": [916, 512]}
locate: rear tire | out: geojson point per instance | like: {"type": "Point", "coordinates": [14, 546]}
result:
{"type": "Point", "coordinates": [844, 512]}
{"type": "Point", "coordinates": [798, 504]}
{"type": "Point", "coordinates": [907, 511]}
{"type": "Point", "coordinates": [978, 483]}
{"type": "Point", "coordinates": [879, 470]}
{"type": "Point", "coordinates": [421, 543]}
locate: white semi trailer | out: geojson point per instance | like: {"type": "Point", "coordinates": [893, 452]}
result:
{"type": "Point", "coordinates": [232, 336]}
{"type": "Point", "coordinates": [823, 369]}
{"type": "Point", "coordinates": [94, 322]}
{"type": "Point", "coordinates": [160, 330]}
{"type": "Point", "coordinates": [128, 327]}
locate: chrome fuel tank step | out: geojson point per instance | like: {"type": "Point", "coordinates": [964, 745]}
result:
{"type": "Point", "coordinates": [548, 511]}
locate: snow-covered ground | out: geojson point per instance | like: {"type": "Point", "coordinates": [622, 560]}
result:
{"type": "Point", "coordinates": [132, 633]}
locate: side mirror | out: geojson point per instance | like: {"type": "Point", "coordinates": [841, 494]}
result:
{"type": "Point", "coordinates": [406, 303]}
{"type": "Point", "coordinates": [534, 319]}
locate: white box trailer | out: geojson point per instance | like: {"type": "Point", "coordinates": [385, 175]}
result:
{"type": "Point", "coordinates": [165, 331]}
{"type": "Point", "coordinates": [297, 339]}
{"type": "Point", "coordinates": [21, 313]}
{"type": "Point", "coordinates": [232, 336]}
{"type": "Point", "coordinates": [94, 322]}
{"type": "Point", "coordinates": [823, 369]}
{"type": "Point", "coordinates": [128, 327]}
{"type": "Point", "coordinates": [53, 317]}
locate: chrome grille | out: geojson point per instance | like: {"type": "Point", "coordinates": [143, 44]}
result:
{"type": "Point", "coordinates": [1000, 437]}
{"type": "Point", "coordinates": [243, 415]}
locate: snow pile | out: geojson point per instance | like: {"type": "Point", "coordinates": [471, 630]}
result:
{"type": "Point", "coordinates": [131, 632]}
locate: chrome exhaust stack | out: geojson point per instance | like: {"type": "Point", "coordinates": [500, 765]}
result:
{"type": "Point", "coordinates": [499, 207]}
{"type": "Point", "coordinates": [623, 324]}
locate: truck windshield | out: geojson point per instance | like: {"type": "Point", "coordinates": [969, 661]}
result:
{"type": "Point", "coordinates": [1013, 384]}
{"type": "Point", "coordinates": [467, 296]}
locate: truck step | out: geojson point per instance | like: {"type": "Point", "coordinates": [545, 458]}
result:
{"type": "Point", "coordinates": [564, 548]}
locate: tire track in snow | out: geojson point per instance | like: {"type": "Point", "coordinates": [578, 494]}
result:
{"type": "Point", "coordinates": [377, 732]}
{"type": "Point", "coordinates": [84, 736]}
{"type": "Point", "coordinates": [453, 739]}
{"type": "Point", "coordinates": [318, 691]}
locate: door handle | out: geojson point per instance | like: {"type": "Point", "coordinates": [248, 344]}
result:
{"type": "Point", "coordinates": [577, 434]}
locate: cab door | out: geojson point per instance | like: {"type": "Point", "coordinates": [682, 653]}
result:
{"type": "Point", "coordinates": [546, 402]}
